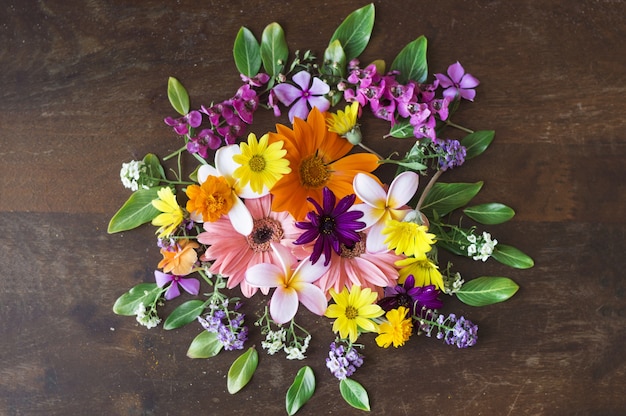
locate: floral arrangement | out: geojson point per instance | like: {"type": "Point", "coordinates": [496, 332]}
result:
{"type": "Point", "coordinates": [299, 216]}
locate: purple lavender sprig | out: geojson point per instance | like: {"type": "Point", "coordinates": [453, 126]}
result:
{"type": "Point", "coordinates": [342, 360]}
{"type": "Point", "coordinates": [452, 329]}
{"type": "Point", "coordinates": [227, 323]}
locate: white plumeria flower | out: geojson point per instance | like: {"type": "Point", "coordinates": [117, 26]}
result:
{"type": "Point", "coordinates": [379, 205]}
{"type": "Point", "coordinates": [225, 166]}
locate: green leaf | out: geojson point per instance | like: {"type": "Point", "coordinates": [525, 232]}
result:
{"type": "Point", "coordinates": [411, 62]}
{"type": "Point", "coordinates": [178, 96]}
{"type": "Point", "coordinates": [137, 210]}
{"type": "Point", "coordinates": [205, 345]}
{"type": "Point", "coordinates": [354, 394]}
{"type": "Point", "coordinates": [355, 31]}
{"type": "Point", "coordinates": [490, 213]}
{"type": "Point", "coordinates": [486, 290]}
{"type": "Point", "coordinates": [143, 293]}
{"type": "Point", "coordinates": [274, 51]}
{"type": "Point", "coordinates": [446, 197]}
{"type": "Point", "coordinates": [301, 390]}
{"type": "Point", "coordinates": [154, 168]}
{"type": "Point", "coordinates": [512, 256]}
{"type": "Point", "coordinates": [241, 370]}
{"type": "Point", "coordinates": [477, 142]}
{"type": "Point", "coordinates": [247, 53]}
{"type": "Point", "coordinates": [335, 59]}
{"type": "Point", "coordinates": [402, 130]}
{"type": "Point", "coordinates": [184, 314]}
{"type": "Point", "coordinates": [417, 166]}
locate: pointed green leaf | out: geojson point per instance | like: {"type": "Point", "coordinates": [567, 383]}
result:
{"type": "Point", "coordinates": [512, 256]}
{"type": "Point", "coordinates": [143, 293]}
{"type": "Point", "coordinates": [355, 31]}
{"type": "Point", "coordinates": [301, 390]}
{"type": "Point", "coordinates": [446, 197]}
{"type": "Point", "coordinates": [402, 130]}
{"type": "Point", "coordinates": [486, 290]}
{"type": "Point", "coordinates": [417, 166]}
{"type": "Point", "coordinates": [242, 370]}
{"type": "Point", "coordinates": [335, 59]}
{"type": "Point", "coordinates": [154, 168]}
{"type": "Point", "coordinates": [274, 51]}
{"type": "Point", "coordinates": [247, 53]}
{"type": "Point", "coordinates": [354, 394]}
{"type": "Point", "coordinates": [137, 210]}
{"type": "Point", "coordinates": [205, 345]}
{"type": "Point", "coordinates": [184, 314]}
{"type": "Point", "coordinates": [491, 213]}
{"type": "Point", "coordinates": [178, 96]}
{"type": "Point", "coordinates": [411, 62]}
{"type": "Point", "coordinates": [477, 142]}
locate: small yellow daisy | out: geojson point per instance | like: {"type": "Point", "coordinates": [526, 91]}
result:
{"type": "Point", "coordinates": [172, 214]}
{"type": "Point", "coordinates": [408, 238]}
{"type": "Point", "coordinates": [396, 330]}
{"type": "Point", "coordinates": [354, 311]}
{"type": "Point", "coordinates": [261, 164]}
{"type": "Point", "coordinates": [423, 270]}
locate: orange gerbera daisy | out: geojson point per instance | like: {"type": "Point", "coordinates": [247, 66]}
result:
{"type": "Point", "coordinates": [317, 158]}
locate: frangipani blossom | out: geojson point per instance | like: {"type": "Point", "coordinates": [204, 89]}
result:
{"type": "Point", "coordinates": [293, 286]}
{"type": "Point", "coordinates": [225, 167]}
{"type": "Point", "coordinates": [191, 285]}
{"type": "Point", "coordinates": [379, 205]}
{"type": "Point", "coordinates": [303, 97]}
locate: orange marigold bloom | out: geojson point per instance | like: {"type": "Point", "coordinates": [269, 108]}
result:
{"type": "Point", "coordinates": [317, 158]}
{"type": "Point", "coordinates": [179, 259]}
{"type": "Point", "coordinates": [212, 199]}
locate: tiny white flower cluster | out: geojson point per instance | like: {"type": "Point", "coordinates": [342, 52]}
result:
{"type": "Point", "coordinates": [452, 283]}
{"type": "Point", "coordinates": [131, 173]}
{"type": "Point", "coordinates": [275, 341]}
{"type": "Point", "coordinates": [481, 247]}
{"type": "Point", "coordinates": [149, 319]}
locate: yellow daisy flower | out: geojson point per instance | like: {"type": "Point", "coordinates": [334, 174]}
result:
{"type": "Point", "coordinates": [408, 238]}
{"type": "Point", "coordinates": [396, 330]}
{"type": "Point", "coordinates": [172, 214]}
{"type": "Point", "coordinates": [343, 122]}
{"type": "Point", "coordinates": [261, 164]}
{"type": "Point", "coordinates": [423, 270]}
{"type": "Point", "coordinates": [354, 311]}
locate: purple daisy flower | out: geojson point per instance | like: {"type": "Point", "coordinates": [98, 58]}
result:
{"type": "Point", "coordinates": [331, 226]}
{"type": "Point", "coordinates": [409, 296]}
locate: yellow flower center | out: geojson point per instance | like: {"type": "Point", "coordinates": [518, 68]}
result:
{"type": "Point", "coordinates": [313, 172]}
{"type": "Point", "coordinates": [257, 163]}
{"type": "Point", "coordinates": [351, 312]}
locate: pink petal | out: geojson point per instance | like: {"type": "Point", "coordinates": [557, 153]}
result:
{"type": "Point", "coordinates": [285, 257]}
{"type": "Point", "coordinates": [191, 286]}
{"type": "Point", "coordinates": [369, 191]}
{"type": "Point", "coordinates": [303, 79]}
{"type": "Point", "coordinates": [240, 217]}
{"type": "Point", "coordinates": [299, 109]}
{"type": "Point", "coordinates": [287, 93]}
{"type": "Point", "coordinates": [319, 101]}
{"type": "Point", "coordinates": [371, 272]}
{"type": "Point", "coordinates": [162, 278]}
{"type": "Point", "coordinates": [402, 189]}
{"type": "Point", "coordinates": [455, 72]}
{"type": "Point", "coordinates": [309, 272]}
{"type": "Point", "coordinates": [319, 87]}
{"type": "Point", "coordinates": [444, 81]}
{"type": "Point", "coordinates": [312, 298]}
{"type": "Point", "coordinates": [264, 275]}
{"type": "Point", "coordinates": [284, 304]}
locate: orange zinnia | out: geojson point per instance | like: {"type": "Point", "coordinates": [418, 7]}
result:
{"type": "Point", "coordinates": [317, 158]}
{"type": "Point", "coordinates": [212, 199]}
{"type": "Point", "coordinates": [180, 259]}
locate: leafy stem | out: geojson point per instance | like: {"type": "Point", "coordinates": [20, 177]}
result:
{"type": "Point", "coordinates": [457, 126]}
{"type": "Point", "coordinates": [429, 186]}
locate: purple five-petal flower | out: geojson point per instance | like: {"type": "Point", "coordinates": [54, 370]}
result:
{"type": "Point", "coordinates": [191, 285]}
{"type": "Point", "coordinates": [303, 96]}
{"type": "Point", "coordinates": [457, 83]}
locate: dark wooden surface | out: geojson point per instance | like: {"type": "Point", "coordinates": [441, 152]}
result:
{"type": "Point", "coordinates": [83, 87]}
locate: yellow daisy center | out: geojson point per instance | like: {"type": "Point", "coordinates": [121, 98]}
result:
{"type": "Point", "coordinates": [313, 172]}
{"type": "Point", "coordinates": [351, 312]}
{"type": "Point", "coordinates": [257, 163]}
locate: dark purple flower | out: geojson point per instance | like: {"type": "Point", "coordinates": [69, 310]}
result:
{"type": "Point", "coordinates": [411, 297]}
{"type": "Point", "coordinates": [331, 226]}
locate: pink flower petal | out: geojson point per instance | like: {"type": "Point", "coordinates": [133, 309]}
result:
{"type": "Point", "coordinates": [444, 81]}
{"type": "Point", "coordinates": [303, 79]}
{"type": "Point", "coordinates": [284, 304]}
{"type": "Point", "coordinates": [264, 275]}
{"type": "Point", "coordinates": [455, 72]}
{"type": "Point", "coordinates": [191, 286]}
{"type": "Point", "coordinates": [287, 93]}
{"type": "Point", "coordinates": [312, 298]}
{"type": "Point", "coordinates": [285, 257]}
{"type": "Point", "coordinates": [402, 189]}
{"type": "Point", "coordinates": [309, 272]}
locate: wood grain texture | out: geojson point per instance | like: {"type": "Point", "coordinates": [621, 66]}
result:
{"type": "Point", "coordinates": [83, 89]}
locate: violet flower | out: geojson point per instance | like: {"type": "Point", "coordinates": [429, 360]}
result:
{"type": "Point", "coordinates": [181, 125]}
{"type": "Point", "coordinates": [411, 297]}
{"type": "Point", "coordinates": [191, 285]}
{"type": "Point", "coordinates": [304, 96]}
{"type": "Point", "coordinates": [458, 83]}
{"type": "Point", "coordinates": [331, 226]}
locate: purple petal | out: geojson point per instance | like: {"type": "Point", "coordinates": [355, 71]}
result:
{"type": "Point", "coordinates": [162, 278]}
{"type": "Point", "coordinates": [287, 93]}
{"type": "Point", "coordinates": [329, 200]}
{"type": "Point", "coordinates": [191, 286]}
{"type": "Point", "coordinates": [345, 203]}
{"type": "Point", "coordinates": [303, 79]}
{"type": "Point", "coordinates": [444, 81]}
{"type": "Point", "coordinates": [319, 87]}
{"type": "Point", "coordinates": [467, 94]}
{"type": "Point", "coordinates": [299, 109]}
{"type": "Point", "coordinates": [455, 72]}
{"type": "Point", "coordinates": [172, 291]}
{"type": "Point", "coordinates": [194, 119]}
{"type": "Point", "coordinates": [469, 81]}
{"type": "Point", "coordinates": [319, 101]}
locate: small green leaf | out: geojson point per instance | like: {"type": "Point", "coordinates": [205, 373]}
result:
{"type": "Point", "coordinates": [301, 390]}
{"type": "Point", "coordinates": [355, 31]}
{"type": "Point", "coordinates": [154, 169]}
{"type": "Point", "coordinates": [274, 51]}
{"type": "Point", "coordinates": [411, 62]}
{"type": "Point", "coordinates": [205, 345]}
{"type": "Point", "coordinates": [178, 96]}
{"type": "Point", "coordinates": [486, 290]}
{"type": "Point", "coordinates": [491, 213]}
{"type": "Point", "coordinates": [354, 394]}
{"type": "Point", "coordinates": [247, 53]}
{"type": "Point", "coordinates": [184, 314]}
{"type": "Point", "coordinates": [417, 166]}
{"type": "Point", "coordinates": [242, 370]}
{"type": "Point", "coordinates": [143, 293]}
{"type": "Point", "coordinates": [137, 210]}
{"type": "Point", "coordinates": [477, 142]}
{"type": "Point", "coordinates": [402, 130]}
{"type": "Point", "coordinates": [335, 59]}
{"type": "Point", "coordinates": [446, 197]}
{"type": "Point", "coordinates": [512, 256]}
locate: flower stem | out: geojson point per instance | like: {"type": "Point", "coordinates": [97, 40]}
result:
{"type": "Point", "coordinates": [457, 126]}
{"type": "Point", "coordinates": [175, 153]}
{"type": "Point", "coordinates": [429, 186]}
{"type": "Point", "coordinates": [370, 150]}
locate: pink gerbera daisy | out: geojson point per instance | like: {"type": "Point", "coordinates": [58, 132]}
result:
{"type": "Point", "coordinates": [233, 253]}
{"type": "Point", "coordinates": [357, 266]}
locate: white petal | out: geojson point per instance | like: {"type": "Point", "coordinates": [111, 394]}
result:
{"type": "Point", "coordinates": [402, 189]}
{"type": "Point", "coordinates": [224, 162]}
{"type": "Point", "coordinates": [284, 255]}
{"type": "Point", "coordinates": [264, 275]}
{"type": "Point", "coordinates": [240, 217]}
{"type": "Point", "coordinates": [369, 191]}
{"type": "Point", "coordinates": [370, 216]}
{"type": "Point", "coordinates": [309, 272]}
{"type": "Point", "coordinates": [376, 239]}
{"type": "Point", "coordinates": [205, 171]}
